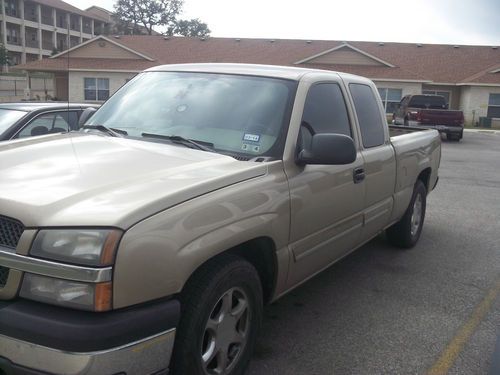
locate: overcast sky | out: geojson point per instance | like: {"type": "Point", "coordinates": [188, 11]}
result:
{"type": "Point", "coordinates": [424, 21]}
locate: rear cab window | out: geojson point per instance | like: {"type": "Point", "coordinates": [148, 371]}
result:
{"type": "Point", "coordinates": [427, 102]}
{"type": "Point", "coordinates": [368, 112]}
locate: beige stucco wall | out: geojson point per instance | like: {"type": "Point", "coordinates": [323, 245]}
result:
{"type": "Point", "coordinates": [474, 101]}
{"type": "Point", "coordinates": [76, 82]}
{"type": "Point", "coordinates": [102, 48]}
{"type": "Point", "coordinates": [407, 87]}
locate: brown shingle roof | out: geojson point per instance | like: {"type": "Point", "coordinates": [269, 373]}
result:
{"type": "Point", "coordinates": [430, 62]}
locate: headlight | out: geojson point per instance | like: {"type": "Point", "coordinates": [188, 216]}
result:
{"type": "Point", "coordinates": [83, 296]}
{"type": "Point", "coordinates": [89, 247]}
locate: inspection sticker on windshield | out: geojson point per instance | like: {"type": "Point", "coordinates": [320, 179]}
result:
{"type": "Point", "coordinates": [250, 148]}
{"type": "Point", "coordinates": [251, 137]}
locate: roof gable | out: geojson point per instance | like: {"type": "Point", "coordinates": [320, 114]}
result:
{"type": "Point", "coordinates": [100, 47]}
{"type": "Point", "coordinates": [345, 54]}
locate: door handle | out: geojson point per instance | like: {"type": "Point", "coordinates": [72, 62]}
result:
{"type": "Point", "coordinates": [358, 175]}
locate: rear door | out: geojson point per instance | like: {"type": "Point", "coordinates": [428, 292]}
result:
{"type": "Point", "coordinates": [378, 156]}
{"type": "Point", "coordinates": [326, 203]}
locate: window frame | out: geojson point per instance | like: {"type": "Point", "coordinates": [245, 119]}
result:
{"type": "Point", "coordinates": [377, 103]}
{"type": "Point", "coordinates": [385, 99]}
{"type": "Point", "coordinates": [96, 89]}
{"type": "Point", "coordinates": [344, 96]}
{"type": "Point", "coordinates": [496, 106]}
{"type": "Point", "coordinates": [48, 112]}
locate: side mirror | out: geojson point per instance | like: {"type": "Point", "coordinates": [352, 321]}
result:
{"type": "Point", "coordinates": [329, 149]}
{"type": "Point", "coordinates": [86, 114]}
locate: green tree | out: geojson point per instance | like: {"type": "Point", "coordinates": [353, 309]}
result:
{"type": "Point", "coordinates": [4, 56]}
{"type": "Point", "coordinates": [193, 28]}
{"type": "Point", "coordinates": [135, 15]}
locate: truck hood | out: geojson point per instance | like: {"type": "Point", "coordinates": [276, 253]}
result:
{"type": "Point", "coordinates": [81, 179]}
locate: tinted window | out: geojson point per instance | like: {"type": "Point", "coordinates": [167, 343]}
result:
{"type": "Point", "coordinates": [58, 122]}
{"type": "Point", "coordinates": [325, 110]}
{"type": "Point", "coordinates": [427, 101]}
{"type": "Point", "coordinates": [368, 112]}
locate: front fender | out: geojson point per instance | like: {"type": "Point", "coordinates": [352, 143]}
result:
{"type": "Point", "coordinates": [159, 254]}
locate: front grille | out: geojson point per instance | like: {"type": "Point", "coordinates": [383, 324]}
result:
{"type": "Point", "coordinates": [10, 232]}
{"type": "Point", "coordinates": [4, 275]}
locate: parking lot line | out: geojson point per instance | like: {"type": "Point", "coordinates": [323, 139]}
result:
{"type": "Point", "coordinates": [450, 354]}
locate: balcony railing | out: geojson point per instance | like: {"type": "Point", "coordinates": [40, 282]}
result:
{"type": "Point", "coordinates": [14, 40]}
{"type": "Point", "coordinates": [11, 12]}
{"type": "Point", "coordinates": [31, 43]}
{"type": "Point", "coordinates": [47, 44]}
{"type": "Point", "coordinates": [48, 20]}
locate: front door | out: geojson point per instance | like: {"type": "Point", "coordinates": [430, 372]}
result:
{"type": "Point", "coordinates": [326, 203]}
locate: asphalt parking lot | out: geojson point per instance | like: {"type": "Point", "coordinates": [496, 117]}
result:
{"type": "Point", "coordinates": [434, 309]}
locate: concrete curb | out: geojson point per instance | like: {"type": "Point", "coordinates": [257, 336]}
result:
{"type": "Point", "coordinates": [486, 131]}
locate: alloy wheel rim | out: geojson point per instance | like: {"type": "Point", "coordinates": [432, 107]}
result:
{"type": "Point", "coordinates": [416, 217]}
{"type": "Point", "coordinates": [226, 332]}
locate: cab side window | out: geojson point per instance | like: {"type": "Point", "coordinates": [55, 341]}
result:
{"type": "Point", "coordinates": [325, 111]}
{"type": "Point", "coordinates": [48, 123]}
{"type": "Point", "coordinates": [368, 113]}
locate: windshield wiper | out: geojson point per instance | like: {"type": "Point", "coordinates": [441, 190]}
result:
{"type": "Point", "coordinates": [200, 145]}
{"type": "Point", "coordinates": [110, 131]}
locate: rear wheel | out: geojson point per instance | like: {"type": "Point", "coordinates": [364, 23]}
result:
{"type": "Point", "coordinates": [406, 232]}
{"type": "Point", "coordinates": [221, 315]}
{"type": "Point", "coordinates": [453, 137]}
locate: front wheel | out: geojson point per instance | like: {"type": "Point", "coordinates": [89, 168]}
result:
{"type": "Point", "coordinates": [406, 232]}
{"type": "Point", "coordinates": [221, 316]}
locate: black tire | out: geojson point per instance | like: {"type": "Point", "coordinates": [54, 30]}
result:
{"type": "Point", "coordinates": [401, 234]}
{"type": "Point", "coordinates": [202, 297]}
{"type": "Point", "coordinates": [453, 137]}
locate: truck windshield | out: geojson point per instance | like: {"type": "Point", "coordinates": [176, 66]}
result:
{"type": "Point", "coordinates": [8, 117]}
{"type": "Point", "coordinates": [242, 115]}
{"type": "Point", "coordinates": [427, 102]}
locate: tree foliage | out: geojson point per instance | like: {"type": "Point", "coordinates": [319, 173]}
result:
{"type": "Point", "coordinates": [141, 16]}
{"type": "Point", "coordinates": [193, 27]}
{"type": "Point", "coordinates": [4, 56]}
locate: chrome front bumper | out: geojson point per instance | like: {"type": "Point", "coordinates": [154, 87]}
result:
{"type": "Point", "coordinates": [146, 356]}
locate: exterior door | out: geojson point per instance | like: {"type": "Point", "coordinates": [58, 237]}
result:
{"type": "Point", "coordinates": [326, 204]}
{"type": "Point", "coordinates": [379, 160]}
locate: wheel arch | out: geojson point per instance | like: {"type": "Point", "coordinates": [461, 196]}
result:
{"type": "Point", "coordinates": [260, 252]}
{"type": "Point", "coordinates": [425, 177]}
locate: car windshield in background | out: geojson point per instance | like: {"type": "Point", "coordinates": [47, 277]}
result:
{"type": "Point", "coordinates": [236, 114]}
{"type": "Point", "coordinates": [427, 102]}
{"type": "Point", "coordinates": [8, 117]}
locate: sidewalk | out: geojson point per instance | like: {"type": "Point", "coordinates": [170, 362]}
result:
{"type": "Point", "coordinates": [482, 130]}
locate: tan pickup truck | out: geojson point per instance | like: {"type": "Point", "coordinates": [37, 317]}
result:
{"type": "Point", "coordinates": [149, 241]}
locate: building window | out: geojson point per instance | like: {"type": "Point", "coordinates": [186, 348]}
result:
{"type": "Point", "coordinates": [494, 106]}
{"type": "Point", "coordinates": [445, 94]}
{"type": "Point", "coordinates": [390, 99]}
{"type": "Point", "coordinates": [96, 88]}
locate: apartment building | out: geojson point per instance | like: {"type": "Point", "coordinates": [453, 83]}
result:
{"type": "Point", "coordinates": [32, 29]}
